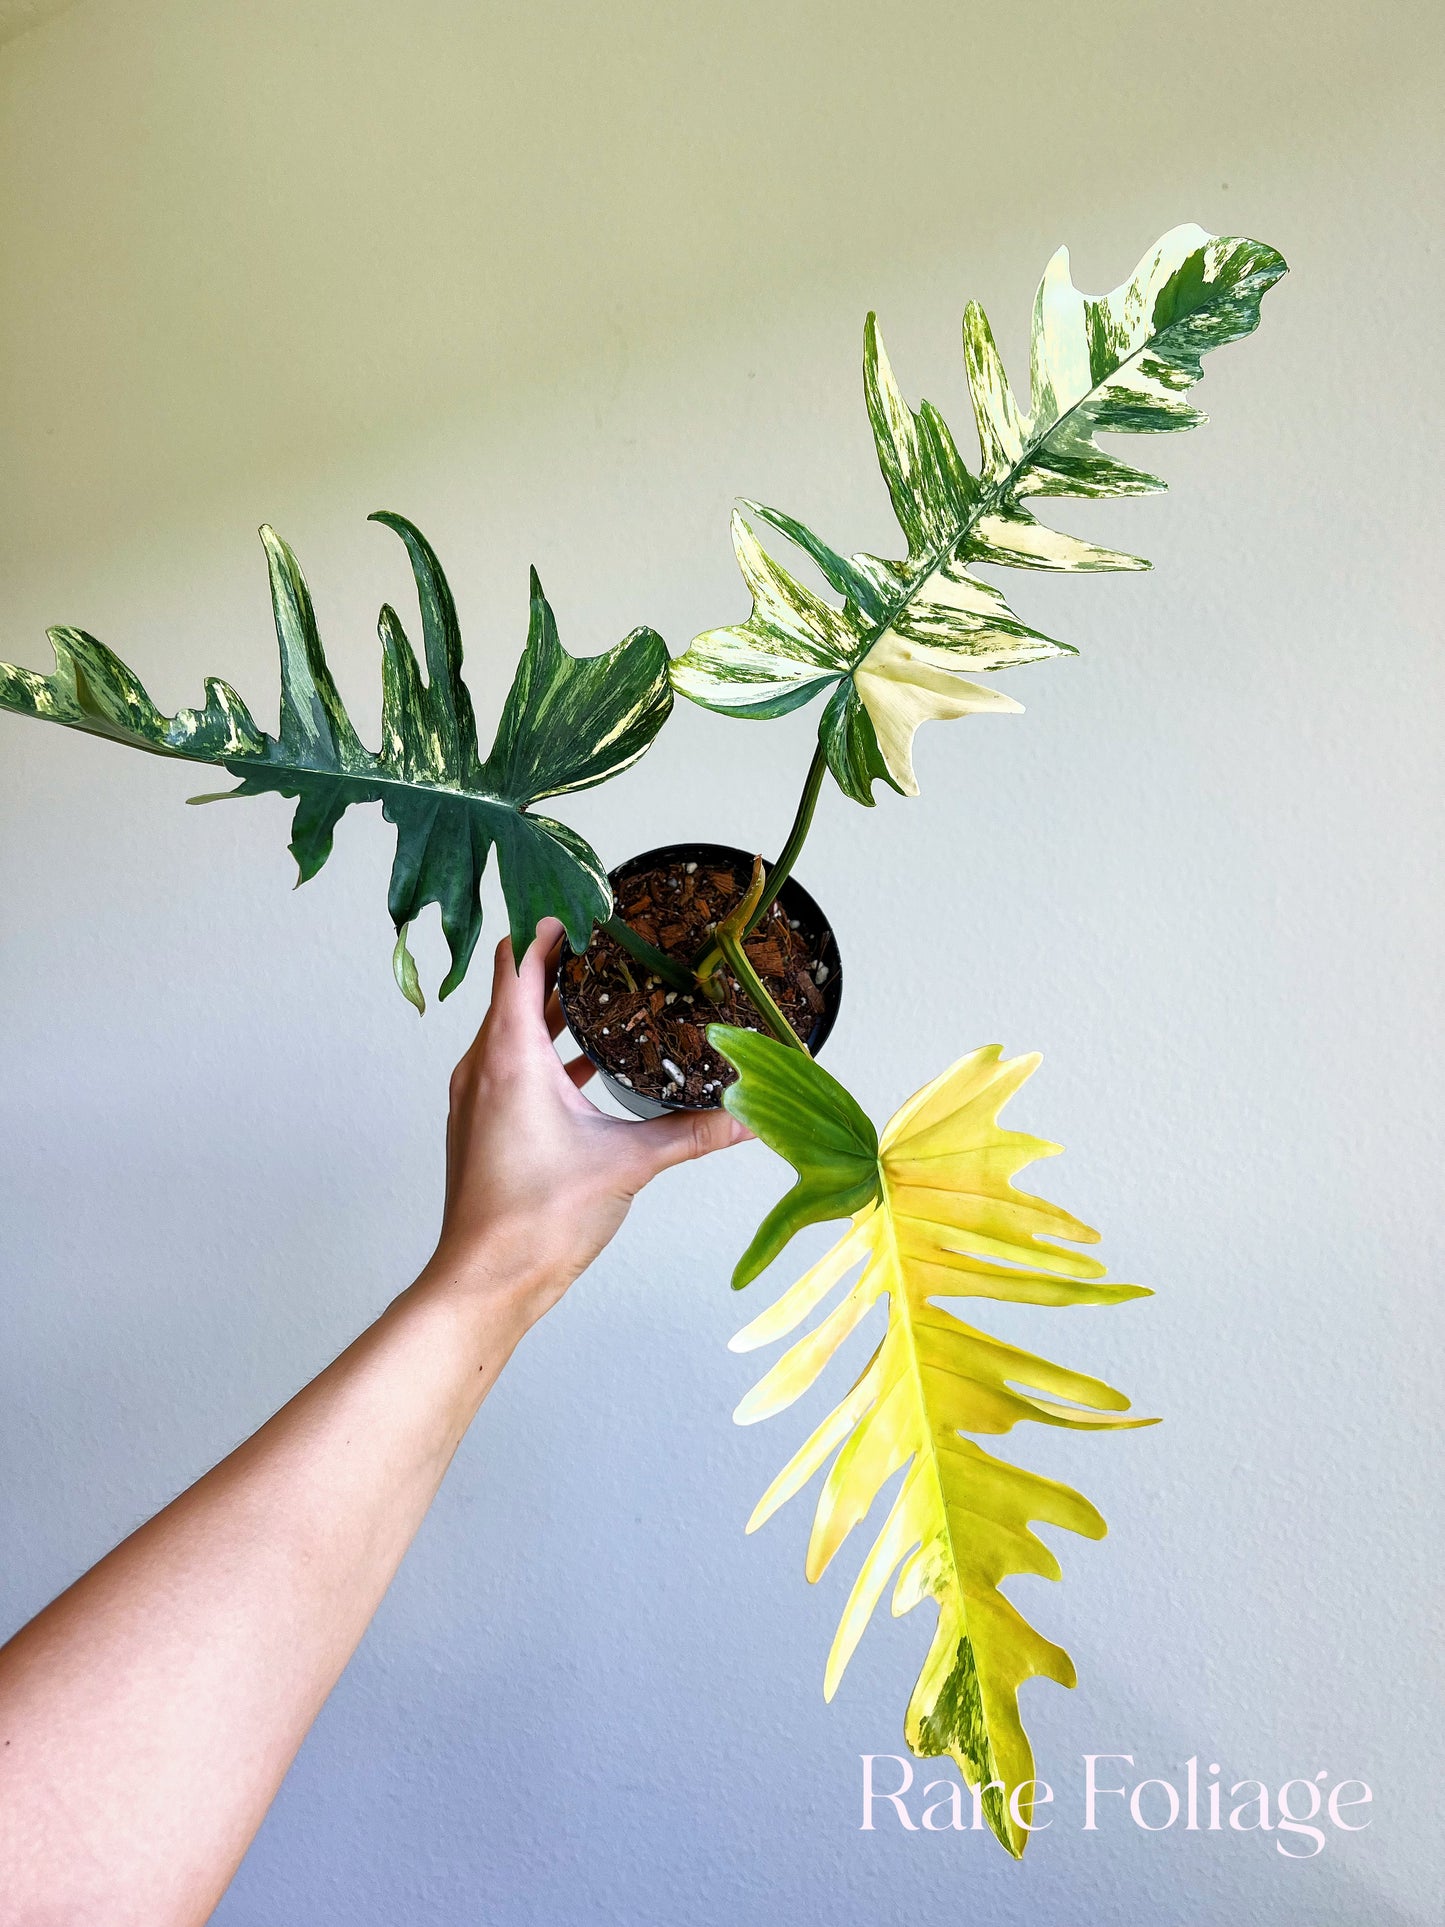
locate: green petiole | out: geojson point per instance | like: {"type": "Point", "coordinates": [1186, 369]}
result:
{"type": "Point", "coordinates": [779, 872]}
{"type": "Point", "coordinates": [676, 974]}
{"type": "Point", "coordinates": [730, 934]}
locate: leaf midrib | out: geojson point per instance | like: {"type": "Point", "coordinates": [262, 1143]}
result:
{"type": "Point", "coordinates": [377, 776]}
{"type": "Point", "coordinates": [377, 779]}
{"type": "Point", "coordinates": [991, 499]}
{"type": "Point", "coordinates": [905, 1308]}
{"type": "Point", "coordinates": [244, 767]}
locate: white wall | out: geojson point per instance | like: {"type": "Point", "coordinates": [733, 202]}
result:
{"type": "Point", "coordinates": [558, 281]}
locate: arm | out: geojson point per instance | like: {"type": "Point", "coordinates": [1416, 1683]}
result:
{"type": "Point", "coordinates": [148, 1715]}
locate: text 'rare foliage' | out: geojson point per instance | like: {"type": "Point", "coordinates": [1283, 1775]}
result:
{"type": "Point", "coordinates": [568, 722]}
{"type": "Point", "coordinates": [894, 655]}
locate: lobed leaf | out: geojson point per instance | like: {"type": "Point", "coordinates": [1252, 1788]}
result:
{"type": "Point", "coordinates": [895, 654]}
{"type": "Point", "coordinates": [567, 723]}
{"type": "Point", "coordinates": [942, 1219]}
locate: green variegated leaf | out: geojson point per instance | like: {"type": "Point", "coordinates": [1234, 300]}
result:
{"type": "Point", "coordinates": [895, 654]}
{"type": "Point", "coordinates": [807, 1117]}
{"type": "Point", "coordinates": [937, 1216]}
{"type": "Point", "coordinates": [567, 724]}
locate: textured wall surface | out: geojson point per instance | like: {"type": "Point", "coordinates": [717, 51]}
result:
{"type": "Point", "coordinates": [19, 16]}
{"type": "Point", "coordinates": [557, 282]}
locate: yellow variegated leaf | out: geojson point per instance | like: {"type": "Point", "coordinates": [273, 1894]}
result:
{"type": "Point", "coordinates": [946, 1222]}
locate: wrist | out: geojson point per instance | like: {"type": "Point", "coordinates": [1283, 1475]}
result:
{"type": "Point", "coordinates": [502, 1269]}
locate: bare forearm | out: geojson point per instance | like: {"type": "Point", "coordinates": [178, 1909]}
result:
{"type": "Point", "coordinates": [148, 1716]}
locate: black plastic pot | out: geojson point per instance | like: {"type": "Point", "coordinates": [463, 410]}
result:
{"type": "Point", "coordinates": [795, 902]}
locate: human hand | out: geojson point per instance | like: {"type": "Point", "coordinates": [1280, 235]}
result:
{"type": "Point", "coordinates": [538, 1179]}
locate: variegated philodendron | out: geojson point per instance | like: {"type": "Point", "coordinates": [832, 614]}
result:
{"type": "Point", "coordinates": [896, 652]}
{"type": "Point", "coordinates": [933, 1208]}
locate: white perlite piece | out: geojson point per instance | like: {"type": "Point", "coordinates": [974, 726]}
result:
{"type": "Point", "coordinates": [624, 1080]}
{"type": "Point", "coordinates": [604, 997]}
{"type": "Point", "coordinates": [691, 869]}
{"type": "Point", "coordinates": [820, 975]}
{"type": "Point", "coordinates": [673, 1072]}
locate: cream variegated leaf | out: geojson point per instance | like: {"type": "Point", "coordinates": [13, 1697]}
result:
{"type": "Point", "coordinates": [901, 684]}
{"type": "Point", "coordinates": [943, 1220]}
{"type": "Point", "coordinates": [898, 651]}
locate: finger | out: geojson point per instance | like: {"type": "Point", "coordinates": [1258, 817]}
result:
{"type": "Point", "coordinates": [503, 972]}
{"type": "Point", "coordinates": [519, 990]}
{"type": "Point", "coordinates": [554, 962]}
{"type": "Point", "coordinates": [666, 1141]}
{"type": "Point", "coordinates": [580, 1070]}
{"type": "Point", "coordinates": [553, 1013]}
{"type": "Point", "coordinates": [532, 972]}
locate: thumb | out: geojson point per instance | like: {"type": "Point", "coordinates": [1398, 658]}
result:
{"type": "Point", "coordinates": [685, 1135]}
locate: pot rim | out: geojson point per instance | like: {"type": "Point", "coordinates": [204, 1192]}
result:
{"type": "Point", "coordinates": [796, 900]}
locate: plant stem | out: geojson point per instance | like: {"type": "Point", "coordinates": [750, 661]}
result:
{"type": "Point", "coordinates": [730, 934]}
{"type": "Point", "coordinates": [779, 872]}
{"type": "Point", "coordinates": [754, 907]}
{"type": "Point", "coordinates": [678, 975]}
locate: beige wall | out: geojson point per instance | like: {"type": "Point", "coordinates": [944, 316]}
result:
{"type": "Point", "coordinates": [558, 282]}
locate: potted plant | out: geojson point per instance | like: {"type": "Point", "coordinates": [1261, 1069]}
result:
{"type": "Point", "coordinates": [702, 975]}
